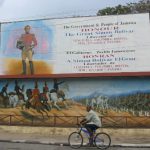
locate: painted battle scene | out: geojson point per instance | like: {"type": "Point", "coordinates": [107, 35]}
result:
{"type": "Point", "coordinates": [42, 99]}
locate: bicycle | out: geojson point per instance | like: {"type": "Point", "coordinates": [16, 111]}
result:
{"type": "Point", "coordinates": [101, 140]}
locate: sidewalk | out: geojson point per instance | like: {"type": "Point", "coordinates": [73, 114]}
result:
{"type": "Point", "coordinates": [55, 139]}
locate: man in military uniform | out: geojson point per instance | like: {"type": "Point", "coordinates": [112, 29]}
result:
{"type": "Point", "coordinates": [4, 90]}
{"type": "Point", "coordinates": [18, 90]}
{"type": "Point", "coordinates": [26, 43]}
{"type": "Point", "coordinates": [45, 88]}
{"type": "Point", "coordinates": [56, 84]}
{"type": "Point", "coordinates": [4, 95]}
{"type": "Point", "coordinates": [36, 95]}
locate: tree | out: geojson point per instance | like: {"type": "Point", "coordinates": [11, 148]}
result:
{"type": "Point", "coordinates": [142, 6]}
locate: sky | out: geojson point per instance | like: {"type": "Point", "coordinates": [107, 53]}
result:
{"type": "Point", "coordinates": [103, 85]}
{"type": "Point", "coordinates": [14, 10]}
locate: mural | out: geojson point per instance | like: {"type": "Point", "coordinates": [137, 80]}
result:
{"type": "Point", "coordinates": [27, 46]}
{"type": "Point", "coordinates": [109, 96]}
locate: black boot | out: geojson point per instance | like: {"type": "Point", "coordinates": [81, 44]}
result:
{"type": "Point", "coordinates": [31, 67]}
{"type": "Point", "coordinates": [23, 67]}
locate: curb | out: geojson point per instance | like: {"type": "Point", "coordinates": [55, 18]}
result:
{"type": "Point", "coordinates": [35, 142]}
{"type": "Point", "coordinates": [132, 145]}
{"type": "Point", "coordinates": [66, 144]}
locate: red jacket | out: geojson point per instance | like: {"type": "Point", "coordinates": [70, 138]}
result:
{"type": "Point", "coordinates": [28, 40]}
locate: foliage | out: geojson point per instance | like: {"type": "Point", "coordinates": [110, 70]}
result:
{"type": "Point", "coordinates": [143, 6]}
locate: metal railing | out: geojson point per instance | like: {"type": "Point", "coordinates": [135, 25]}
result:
{"type": "Point", "coordinates": [71, 121]}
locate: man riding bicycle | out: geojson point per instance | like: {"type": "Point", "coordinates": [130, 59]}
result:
{"type": "Point", "coordinates": [91, 122]}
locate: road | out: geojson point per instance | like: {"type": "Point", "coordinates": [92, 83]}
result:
{"type": "Point", "coordinates": [24, 146]}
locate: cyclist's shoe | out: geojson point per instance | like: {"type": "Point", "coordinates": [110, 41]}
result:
{"type": "Point", "coordinates": [90, 144]}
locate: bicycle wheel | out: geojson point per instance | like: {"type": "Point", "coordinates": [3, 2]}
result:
{"type": "Point", "coordinates": [75, 140]}
{"type": "Point", "coordinates": [102, 141]}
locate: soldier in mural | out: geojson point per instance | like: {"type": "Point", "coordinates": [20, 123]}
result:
{"type": "Point", "coordinates": [44, 99]}
{"type": "Point", "coordinates": [4, 96]}
{"type": "Point", "coordinates": [41, 98]}
{"type": "Point", "coordinates": [37, 103]}
{"type": "Point", "coordinates": [46, 91]}
{"type": "Point", "coordinates": [36, 94]}
{"type": "Point", "coordinates": [60, 93]}
{"type": "Point", "coordinates": [4, 90]}
{"type": "Point", "coordinates": [18, 90]}
{"type": "Point", "coordinates": [26, 43]}
{"type": "Point", "coordinates": [46, 87]}
{"type": "Point", "coordinates": [56, 84]}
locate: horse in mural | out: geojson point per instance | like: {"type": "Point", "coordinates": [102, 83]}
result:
{"type": "Point", "coordinates": [44, 104]}
{"type": "Point", "coordinates": [25, 99]}
{"type": "Point", "coordinates": [37, 104]}
{"type": "Point", "coordinates": [16, 99]}
{"type": "Point", "coordinates": [56, 97]}
{"type": "Point", "coordinates": [4, 101]}
{"type": "Point", "coordinates": [100, 104]}
{"type": "Point", "coordinates": [13, 99]}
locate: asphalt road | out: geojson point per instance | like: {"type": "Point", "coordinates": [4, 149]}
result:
{"type": "Point", "coordinates": [25, 146]}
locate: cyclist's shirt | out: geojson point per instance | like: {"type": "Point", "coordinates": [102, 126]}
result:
{"type": "Point", "coordinates": [93, 118]}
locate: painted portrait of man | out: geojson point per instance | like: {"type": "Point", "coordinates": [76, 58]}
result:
{"type": "Point", "coordinates": [27, 48]}
{"type": "Point", "coordinates": [26, 44]}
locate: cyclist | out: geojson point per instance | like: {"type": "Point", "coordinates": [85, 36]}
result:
{"type": "Point", "coordinates": [91, 122]}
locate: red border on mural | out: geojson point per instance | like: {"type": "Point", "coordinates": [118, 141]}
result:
{"type": "Point", "coordinates": [77, 75]}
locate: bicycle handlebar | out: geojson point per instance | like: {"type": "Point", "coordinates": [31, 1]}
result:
{"type": "Point", "coordinates": [80, 125]}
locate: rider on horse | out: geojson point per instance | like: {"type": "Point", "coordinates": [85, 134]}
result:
{"type": "Point", "coordinates": [45, 88]}
{"type": "Point", "coordinates": [19, 91]}
{"type": "Point", "coordinates": [4, 90]}
{"type": "Point", "coordinates": [56, 85]}
{"type": "Point", "coordinates": [35, 94]}
{"type": "Point", "coordinates": [4, 95]}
